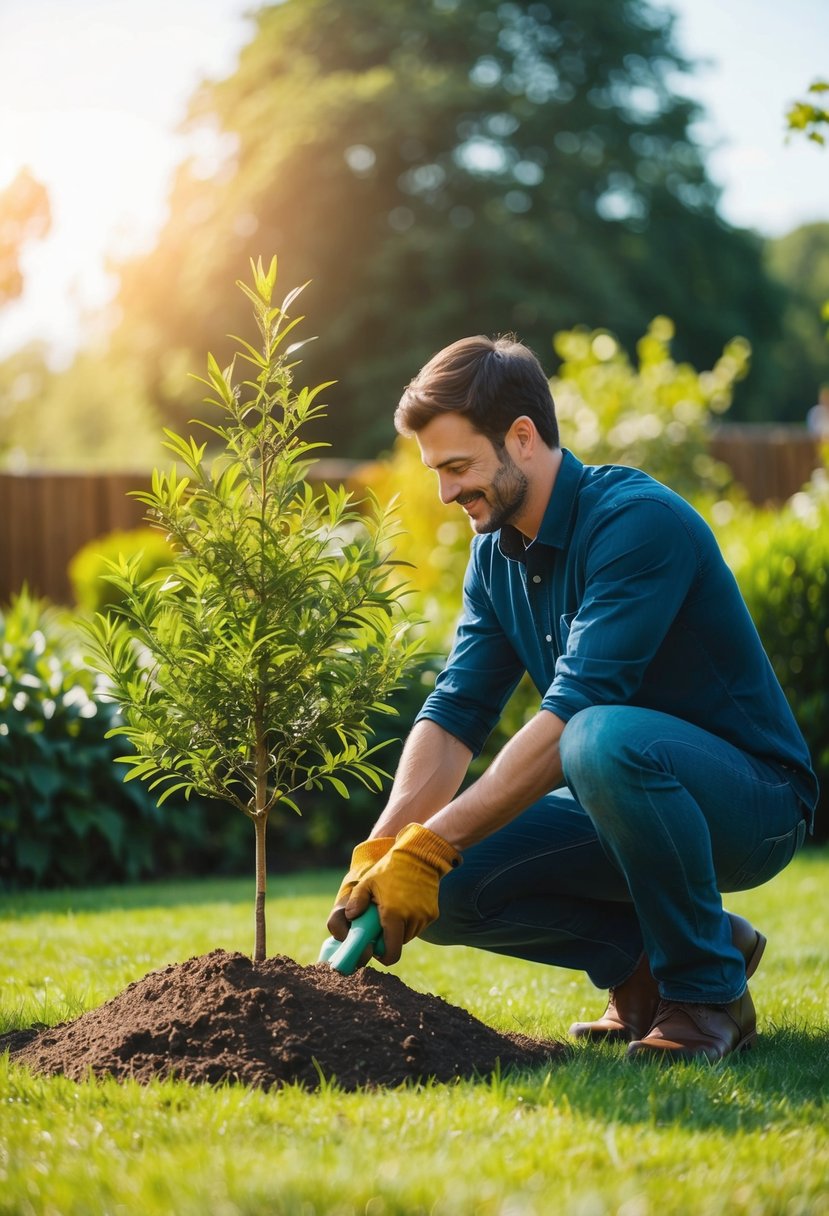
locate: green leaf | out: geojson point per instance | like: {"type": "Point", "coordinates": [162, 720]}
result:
{"type": "Point", "coordinates": [251, 353]}
{"type": "Point", "coordinates": [172, 789]}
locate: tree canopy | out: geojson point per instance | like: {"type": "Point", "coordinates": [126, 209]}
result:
{"type": "Point", "coordinates": [800, 262]}
{"type": "Point", "coordinates": [442, 169]}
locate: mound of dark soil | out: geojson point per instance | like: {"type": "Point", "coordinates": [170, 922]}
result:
{"type": "Point", "coordinates": [221, 1017]}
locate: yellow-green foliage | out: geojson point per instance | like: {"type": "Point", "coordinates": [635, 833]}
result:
{"type": "Point", "coordinates": [655, 416]}
{"type": "Point", "coordinates": [433, 539]}
{"type": "Point", "coordinates": [93, 592]}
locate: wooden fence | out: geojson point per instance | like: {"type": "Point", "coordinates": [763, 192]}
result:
{"type": "Point", "coordinates": [772, 462]}
{"type": "Point", "coordinates": [46, 517]}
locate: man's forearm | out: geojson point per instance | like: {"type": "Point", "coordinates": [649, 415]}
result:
{"type": "Point", "coordinates": [524, 770]}
{"type": "Point", "coordinates": [430, 772]}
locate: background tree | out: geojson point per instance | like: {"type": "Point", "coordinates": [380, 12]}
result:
{"type": "Point", "coordinates": [800, 262]}
{"type": "Point", "coordinates": [25, 215]}
{"type": "Point", "coordinates": [94, 414]}
{"type": "Point", "coordinates": [445, 168]}
{"type": "Point", "coordinates": [808, 248]}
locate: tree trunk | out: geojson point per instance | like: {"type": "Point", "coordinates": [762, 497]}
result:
{"type": "Point", "coordinates": [260, 825]}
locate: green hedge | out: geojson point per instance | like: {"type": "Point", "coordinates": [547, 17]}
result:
{"type": "Point", "coordinates": [781, 561]}
{"type": "Point", "coordinates": [66, 816]}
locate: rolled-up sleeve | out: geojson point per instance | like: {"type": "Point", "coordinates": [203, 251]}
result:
{"type": "Point", "coordinates": [640, 563]}
{"type": "Point", "coordinates": [481, 672]}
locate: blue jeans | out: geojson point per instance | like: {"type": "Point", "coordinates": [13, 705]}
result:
{"type": "Point", "coordinates": [658, 818]}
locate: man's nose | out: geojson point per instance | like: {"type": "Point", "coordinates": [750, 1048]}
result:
{"type": "Point", "coordinates": [448, 488]}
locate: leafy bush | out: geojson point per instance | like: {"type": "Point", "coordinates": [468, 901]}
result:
{"type": "Point", "coordinates": [95, 593]}
{"type": "Point", "coordinates": [62, 811]}
{"type": "Point", "coordinates": [433, 541]}
{"type": "Point", "coordinates": [655, 417]}
{"type": "Point", "coordinates": [66, 817]}
{"type": "Point", "coordinates": [781, 561]}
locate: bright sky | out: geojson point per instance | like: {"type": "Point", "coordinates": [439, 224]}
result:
{"type": "Point", "coordinates": [91, 92]}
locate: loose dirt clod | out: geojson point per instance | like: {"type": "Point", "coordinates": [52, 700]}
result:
{"type": "Point", "coordinates": [220, 1017]}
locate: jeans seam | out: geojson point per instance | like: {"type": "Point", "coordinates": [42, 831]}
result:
{"type": "Point", "coordinates": [646, 751]}
{"type": "Point", "coordinates": [771, 786]}
{"type": "Point", "coordinates": [693, 903]}
{"type": "Point", "coordinates": [575, 937]}
{"type": "Point", "coordinates": [492, 875]}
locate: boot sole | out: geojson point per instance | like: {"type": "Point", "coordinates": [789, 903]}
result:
{"type": "Point", "coordinates": [599, 1036]}
{"type": "Point", "coordinates": [664, 1055]}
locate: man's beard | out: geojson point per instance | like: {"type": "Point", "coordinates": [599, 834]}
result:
{"type": "Point", "coordinates": [506, 496]}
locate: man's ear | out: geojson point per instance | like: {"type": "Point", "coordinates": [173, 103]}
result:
{"type": "Point", "coordinates": [524, 435]}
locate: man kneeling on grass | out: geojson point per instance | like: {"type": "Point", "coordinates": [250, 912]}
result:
{"type": "Point", "coordinates": [663, 766]}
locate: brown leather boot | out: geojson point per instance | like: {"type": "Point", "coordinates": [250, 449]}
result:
{"type": "Point", "coordinates": [632, 1007]}
{"type": "Point", "coordinates": [697, 1032]}
{"type": "Point", "coordinates": [630, 1011]}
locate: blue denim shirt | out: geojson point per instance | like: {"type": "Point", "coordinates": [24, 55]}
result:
{"type": "Point", "coordinates": [623, 598]}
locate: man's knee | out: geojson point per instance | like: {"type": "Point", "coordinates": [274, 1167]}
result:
{"type": "Point", "coordinates": [591, 737]}
{"type": "Point", "coordinates": [597, 745]}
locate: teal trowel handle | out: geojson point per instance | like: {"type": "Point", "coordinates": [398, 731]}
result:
{"type": "Point", "coordinates": [364, 931]}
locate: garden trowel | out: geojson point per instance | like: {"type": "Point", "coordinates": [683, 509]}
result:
{"type": "Point", "coordinates": [365, 931]}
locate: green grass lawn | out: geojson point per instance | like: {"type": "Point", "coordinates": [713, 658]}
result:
{"type": "Point", "coordinates": [592, 1136]}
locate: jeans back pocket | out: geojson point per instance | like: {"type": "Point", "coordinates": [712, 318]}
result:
{"type": "Point", "coordinates": [768, 858]}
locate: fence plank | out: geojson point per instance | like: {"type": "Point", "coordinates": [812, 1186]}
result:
{"type": "Point", "coordinates": [45, 518]}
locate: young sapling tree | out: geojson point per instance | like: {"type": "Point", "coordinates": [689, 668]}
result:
{"type": "Point", "coordinates": [250, 669]}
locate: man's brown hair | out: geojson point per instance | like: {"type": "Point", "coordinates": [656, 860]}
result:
{"type": "Point", "coordinates": [491, 381]}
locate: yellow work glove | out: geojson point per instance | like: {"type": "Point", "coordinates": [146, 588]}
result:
{"type": "Point", "coordinates": [404, 884]}
{"type": "Point", "coordinates": [363, 858]}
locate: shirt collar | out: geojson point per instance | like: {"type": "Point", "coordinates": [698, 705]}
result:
{"type": "Point", "coordinates": [555, 523]}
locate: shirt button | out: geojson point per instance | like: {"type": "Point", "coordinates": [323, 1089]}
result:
{"type": "Point", "coordinates": [549, 637]}
{"type": "Point", "coordinates": [536, 578]}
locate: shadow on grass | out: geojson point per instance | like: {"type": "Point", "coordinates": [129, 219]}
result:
{"type": "Point", "coordinates": [784, 1080]}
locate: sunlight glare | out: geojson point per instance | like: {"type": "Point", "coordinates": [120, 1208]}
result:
{"type": "Point", "coordinates": [91, 95]}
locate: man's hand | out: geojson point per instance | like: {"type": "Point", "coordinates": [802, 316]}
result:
{"type": "Point", "coordinates": [363, 858]}
{"type": "Point", "coordinates": [404, 884]}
